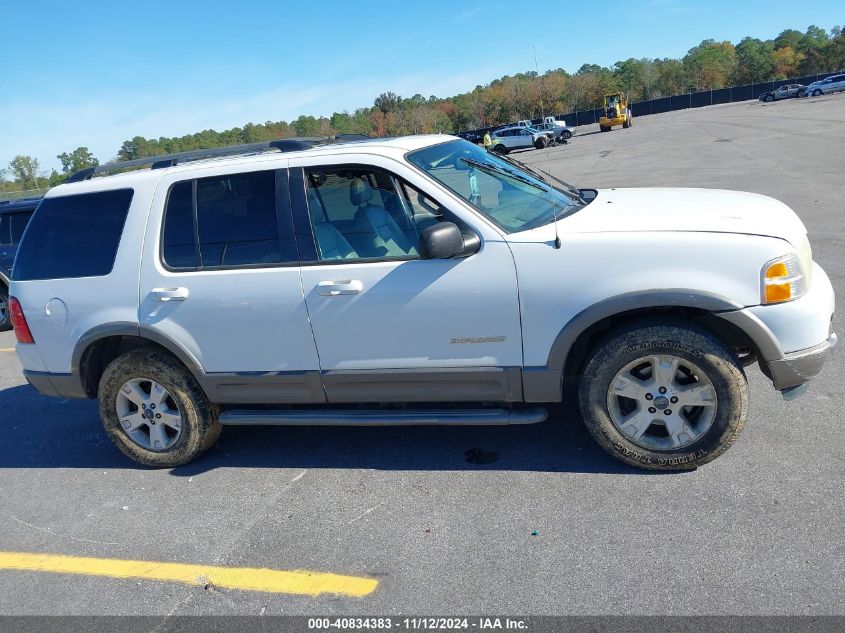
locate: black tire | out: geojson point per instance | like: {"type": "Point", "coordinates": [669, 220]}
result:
{"type": "Point", "coordinates": [817, 92]}
{"type": "Point", "coordinates": [200, 425]}
{"type": "Point", "coordinates": [769, 99]}
{"type": "Point", "coordinates": [566, 135]}
{"type": "Point", "coordinates": [688, 343]}
{"type": "Point", "coordinates": [500, 149]}
{"type": "Point", "coordinates": [5, 315]}
{"type": "Point", "coordinates": [604, 129]}
{"type": "Point", "coordinates": [541, 143]}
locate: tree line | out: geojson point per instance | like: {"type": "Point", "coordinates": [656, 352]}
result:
{"type": "Point", "coordinates": [709, 65]}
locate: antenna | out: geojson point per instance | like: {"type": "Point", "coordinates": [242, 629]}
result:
{"type": "Point", "coordinates": [548, 158]}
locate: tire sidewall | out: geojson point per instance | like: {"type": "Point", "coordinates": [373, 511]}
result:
{"type": "Point", "coordinates": [198, 420]}
{"type": "Point", "coordinates": [716, 361]}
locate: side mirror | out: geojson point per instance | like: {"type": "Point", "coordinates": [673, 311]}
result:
{"type": "Point", "coordinates": [444, 240]}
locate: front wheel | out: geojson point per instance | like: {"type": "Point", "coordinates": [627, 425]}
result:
{"type": "Point", "coordinates": [500, 149]}
{"type": "Point", "coordinates": [604, 129]}
{"type": "Point", "coordinates": [769, 99]}
{"type": "Point", "coordinates": [154, 410]}
{"type": "Point", "coordinates": [663, 396]}
{"type": "Point", "coordinates": [540, 143]}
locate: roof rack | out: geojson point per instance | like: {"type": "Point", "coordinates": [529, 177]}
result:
{"type": "Point", "coordinates": [169, 160]}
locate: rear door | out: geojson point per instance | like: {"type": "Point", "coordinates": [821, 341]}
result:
{"type": "Point", "coordinates": [221, 277]}
{"type": "Point", "coordinates": [390, 326]}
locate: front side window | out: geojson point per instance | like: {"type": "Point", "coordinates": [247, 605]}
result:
{"type": "Point", "coordinates": [366, 213]}
{"type": "Point", "coordinates": [224, 222]}
{"type": "Point", "coordinates": [514, 198]}
{"type": "Point", "coordinates": [73, 236]}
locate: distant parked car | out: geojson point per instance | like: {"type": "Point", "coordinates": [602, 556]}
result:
{"type": "Point", "coordinates": [834, 83]}
{"type": "Point", "coordinates": [784, 92]}
{"type": "Point", "coordinates": [516, 137]}
{"type": "Point", "coordinates": [14, 216]}
{"type": "Point", "coordinates": [472, 137]}
{"type": "Point", "coordinates": [561, 131]}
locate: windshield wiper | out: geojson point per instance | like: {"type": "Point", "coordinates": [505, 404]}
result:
{"type": "Point", "coordinates": [573, 190]}
{"type": "Point", "coordinates": [487, 167]}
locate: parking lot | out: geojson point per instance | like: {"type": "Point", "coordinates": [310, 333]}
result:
{"type": "Point", "coordinates": [522, 520]}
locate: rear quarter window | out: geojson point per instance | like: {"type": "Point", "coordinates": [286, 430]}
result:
{"type": "Point", "coordinates": [73, 236]}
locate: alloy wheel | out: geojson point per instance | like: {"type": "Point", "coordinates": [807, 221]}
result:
{"type": "Point", "coordinates": [662, 402]}
{"type": "Point", "coordinates": [148, 414]}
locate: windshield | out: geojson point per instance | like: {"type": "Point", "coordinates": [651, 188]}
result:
{"type": "Point", "coordinates": [512, 197]}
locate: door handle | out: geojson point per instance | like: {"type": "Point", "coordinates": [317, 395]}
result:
{"type": "Point", "coordinates": [335, 288]}
{"type": "Point", "coordinates": [169, 294]}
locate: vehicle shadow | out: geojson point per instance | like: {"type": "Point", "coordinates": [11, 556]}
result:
{"type": "Point", "coordinates": [41, 432]}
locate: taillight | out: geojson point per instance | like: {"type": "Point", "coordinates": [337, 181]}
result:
{"type": "Point", "coordinates": [19, 321]}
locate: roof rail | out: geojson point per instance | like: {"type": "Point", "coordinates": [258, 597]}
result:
{"type": "Point", "coordinates": [169, 160]}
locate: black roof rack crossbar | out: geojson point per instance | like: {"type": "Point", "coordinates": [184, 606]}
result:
{"type": "Point", "coordinates": [169, 160]}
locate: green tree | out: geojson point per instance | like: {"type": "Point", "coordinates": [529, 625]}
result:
{"type": "Point", "coordinates": [710, 65]}
{"type": "Point", "coordinates": [388, 102]}
{"type": "Point", "coordinates": [24, 169]}
{"type": "Point", "coordinates": [306, 126]}
{"type": "Point", "coordinates": [755, 62]}
{"type": "Point", "coordinates": [80, 158]}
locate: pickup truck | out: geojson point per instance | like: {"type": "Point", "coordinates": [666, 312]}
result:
{"type": "Point", "coordinates": [558, 127]}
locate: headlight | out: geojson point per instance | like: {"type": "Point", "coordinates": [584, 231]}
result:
{"type": "Point", "coordinates": [783, 279]}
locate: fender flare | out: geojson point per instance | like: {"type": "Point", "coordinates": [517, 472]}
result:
{"type": "Point", "coordinates": [135, 330]}
{"type": "Point", "coordinates": [543, 384]}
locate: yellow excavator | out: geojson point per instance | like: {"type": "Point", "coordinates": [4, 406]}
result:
{"type": "Point", "coordinates": [617, 111]}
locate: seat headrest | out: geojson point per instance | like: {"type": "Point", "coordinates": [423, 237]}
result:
{"type": "Point", "coordinates": [360, 192]}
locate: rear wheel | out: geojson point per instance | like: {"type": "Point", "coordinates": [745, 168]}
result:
{"type": "Point", "coordinates": [663, 396]}
{"type": "Point", "coordinates": [604, 128]}
{"type": "Point", "coordinates": [154, 410]}
{"type": "Point", "coordinates": [5, 315]}
{"type": "Point", "coordinates": [566, 135]}
{"type": "Point", "coordinates": [816, 92]}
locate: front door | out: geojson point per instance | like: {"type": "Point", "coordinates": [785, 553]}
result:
{"type": "Point", "coordinates": [221, 278]}
{"type": "Point", "coordinates": [390, 326]}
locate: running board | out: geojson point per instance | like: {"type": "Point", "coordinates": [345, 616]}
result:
{"type": "Point", "coordinates": [382, 417]}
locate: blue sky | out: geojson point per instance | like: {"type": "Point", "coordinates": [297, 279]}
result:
{"type": "Point", "coordinates": [97, 73]}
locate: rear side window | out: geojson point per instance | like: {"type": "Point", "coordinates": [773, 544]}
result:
{"type": "Point", "coordinates": [5, 235]}
{"type": "Point", "coordinates": [73, 236]}
{"type": "Point", "coordinates": [224, 222]}
{"type": "Point", "coordinates": [18, 222]}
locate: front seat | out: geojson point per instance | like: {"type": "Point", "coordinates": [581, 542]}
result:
{"type": "Point", "coordinates": [330, 241]}
{"type": "Point", "coordinates": [387, 238]}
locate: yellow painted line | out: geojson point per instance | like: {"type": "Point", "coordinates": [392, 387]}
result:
{"type": "Point", "coordinates": [7, 349]}
{"type": "Point", "coordinates": [307, 583]}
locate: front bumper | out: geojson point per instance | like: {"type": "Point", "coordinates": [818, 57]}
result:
{"type": "Point", "coordinates": [793, 339]}
{"type": "Point", "coordinates": [799, 367]}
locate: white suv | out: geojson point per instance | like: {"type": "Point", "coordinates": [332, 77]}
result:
{"type": "Point", "coordinates": [835, 83]}
{"type": "Point", "coordinates": [418, 280]}
{"type": "Point", "coordinates": [518, 137]}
